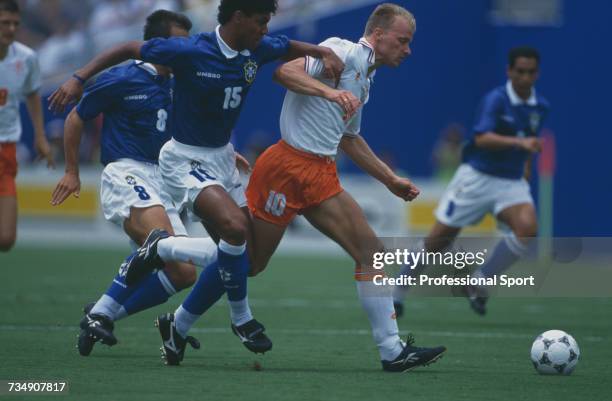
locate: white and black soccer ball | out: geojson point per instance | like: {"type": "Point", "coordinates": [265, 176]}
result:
{"type": "Point", "coordinates": [555, 352]}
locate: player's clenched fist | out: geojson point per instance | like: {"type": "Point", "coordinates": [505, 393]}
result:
{"type": "Point", "coordinates": [404, 188]}
{"type": "Point", "coordinates": [532, 145]}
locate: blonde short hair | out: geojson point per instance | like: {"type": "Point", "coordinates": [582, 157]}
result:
{"type": "Point", "coordinates": [383, 17]}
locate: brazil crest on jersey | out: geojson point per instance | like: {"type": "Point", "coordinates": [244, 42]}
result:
{"type": "Point", "coordinates": [504, 113]}
{"type": "Point", "coordinates": [212, 82]}
{"type": "Point", "coordinates": [135, 102]}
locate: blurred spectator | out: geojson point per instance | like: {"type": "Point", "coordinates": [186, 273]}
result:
{"type": "Point", "coordinates": [447, 151]}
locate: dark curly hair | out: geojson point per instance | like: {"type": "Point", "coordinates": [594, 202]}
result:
{"type": "Point", "coordinates": [159, 23]}
{"type": "Point", "coordinates": [523, 51]}
{"type": "Point", "coordinates": [227, 8]}
{"type": "Point", "coordinates": [10, 6]}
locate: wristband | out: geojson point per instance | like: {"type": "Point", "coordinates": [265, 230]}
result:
{"type": "Point", "coordinates": [81, 80]}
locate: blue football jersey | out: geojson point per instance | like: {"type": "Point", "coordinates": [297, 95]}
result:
{"type": "Point", "coordinates": [135, 102]}
{"type": "Point", "coordinates": [502, 112]}
{"type": "Point", "coordinates": [211, 82]}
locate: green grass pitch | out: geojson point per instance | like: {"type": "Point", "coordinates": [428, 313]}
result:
{"type": "Point", "coordinates": [323, 348]}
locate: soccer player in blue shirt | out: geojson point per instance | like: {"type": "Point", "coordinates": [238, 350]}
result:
{"type": "Point", "coordinates": [135, 99]}
{"type": "Point", "coordinates": [214, 72]}
{"type": "Point", "coordinates": [493, 176]}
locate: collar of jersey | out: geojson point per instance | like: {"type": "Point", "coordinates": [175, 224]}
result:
{"type": "Point", "coordinates": [515, 100]}
{"type": "Point", "coordinates": [227, 51]}
{"type": "Point", "coordinates": [148, 67]}
{"type": "Point", "coordinates": [372, 55]}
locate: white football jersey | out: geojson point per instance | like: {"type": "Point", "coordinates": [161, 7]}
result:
{"type": "Point", "coordinates": [19, 77]}
{"type": "Point", "coordinates": [314, 124]}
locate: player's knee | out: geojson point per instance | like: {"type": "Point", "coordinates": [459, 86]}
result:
{"type": "Point", "coordinates": [526, 229]}
{"type": "Point", "coordinates": [234, 230]}
{"type": "Point", "coordinates": [7, 242]}
{"type": "Point", "coordinates": [181, 275]}
{"type": "Point", "coordinates": [256, 268]}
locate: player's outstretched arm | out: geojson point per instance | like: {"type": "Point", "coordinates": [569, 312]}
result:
{"type": "Point", "coordinates": [293, 76]}
{"type": "Point", "coordinates": [72, 89]}
{"type": "Point", "coordinates": [41, 145]}
{"type": "Point", "coordinates": [332, 64]}
{"type": "Point", "coordinates": [70, 182]}
{"type": "Point", "coordinates": [360, 152]}
{"type": "Point", "coordinates": [493, 141]}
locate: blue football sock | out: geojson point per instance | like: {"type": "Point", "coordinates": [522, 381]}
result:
{"type": "Point", "coordinates": [119, 290]}
{"type": "Point", "coordinates": [505, 254]}
{"type": "Point", "coordinates": [151, 291]}
{"type": "Point", "coordinates": [110, 303]}
{"type": "Point", "coordinates": [234, 269]}
{"type": "Point", "coordinates": [206, 291]}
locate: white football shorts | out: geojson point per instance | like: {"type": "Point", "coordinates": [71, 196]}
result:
{"type": "Point", "coordinates": [187, 170]}
{"type": "Point", "coordinates": [129, 183]}
{"type": "Point", "coordinates": [472, 194]}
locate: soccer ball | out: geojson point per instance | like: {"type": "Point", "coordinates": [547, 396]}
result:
{"type": "Point", "coordinates": [555, 352]}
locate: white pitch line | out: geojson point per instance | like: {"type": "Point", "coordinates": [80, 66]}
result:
{"type": "Point", "coordinates": [315, 332]}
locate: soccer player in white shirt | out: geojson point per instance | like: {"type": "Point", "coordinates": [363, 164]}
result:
{"type": "Point", "coordinates": [19, 79]}
{"type": "Point", "coordinates": [298, 174]}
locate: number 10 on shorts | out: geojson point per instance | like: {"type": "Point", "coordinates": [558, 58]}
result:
{"type": "Point", "coordinates": [275, 205]}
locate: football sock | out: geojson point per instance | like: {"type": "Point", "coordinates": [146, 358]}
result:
{"type": "Point", "coordinates": [508, 250]}
{"type": "Point", "coordinates": [206, 291]}
{"type": "Point", "coordinates": [234, 268]}
{"type": "Point", "coordinates": [183, 320]}
{"type": "Point", "coordinates": [197, 251]}
{"type": "Point", "coordinates": [240, 311]}
{"type": "Point", "coordinates": [153, 290]}
{"type": "Point", "coordinates": [378, 304]}
{"type": "Point", "coordinates": [110, 303]}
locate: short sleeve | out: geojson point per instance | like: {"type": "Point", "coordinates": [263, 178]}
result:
{"type": "Point", "coordinates": [33, 81]}
{"type": "Point", "coordinates": [99, 96]}
{"type": "Point", "coordinates": [273, 47]}
{"type": "Point", "coordinates": [354, 125]}
{"type": "Point", "coordinates": [314, 66]}
{"type": "Point", "coordinates": [486, 116]}
{"type": "Point", "coordinates": [170, 52]}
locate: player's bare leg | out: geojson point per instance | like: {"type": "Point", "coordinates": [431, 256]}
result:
{"type": "Point", "coordinates": [217, 209]}
{"type": "Point", "coordinates": [522, 220]}
{"type": "Point", "coordinates": [8, 222]}
{"type": "Point", "coordinates": [439, 238]}
{"type": "Point", "coordinates": [341, 219]}
{"type": "Point", "coordinates": [265, 239]}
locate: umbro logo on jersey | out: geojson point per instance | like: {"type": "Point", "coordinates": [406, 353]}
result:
{"type": "Point", "coordinates": [136, 97]}
{"type": "Point", "coordinates": [203, 74]}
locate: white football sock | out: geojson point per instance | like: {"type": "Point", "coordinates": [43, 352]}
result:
{"type": "Point", "coordinates": [378, 304]}
{"type": "Point", "coordinates": [198, 251]}
{"type": "Point", "coordinates": [240, 311]}
{"type": "Point", "coordinates": [106, 306]}
{"type": "Point", "coordinates": [183, 320]}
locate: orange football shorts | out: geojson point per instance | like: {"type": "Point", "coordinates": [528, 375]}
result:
{"type": "Point", "coordinates": [8, 169]}
{"type": "Point", "coordinates": [286, 181]}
